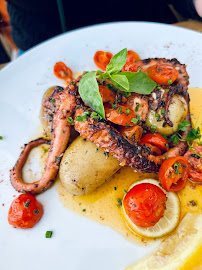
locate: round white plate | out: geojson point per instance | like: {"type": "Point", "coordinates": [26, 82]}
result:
{"type": "Point", "coordinates": [77, 243]}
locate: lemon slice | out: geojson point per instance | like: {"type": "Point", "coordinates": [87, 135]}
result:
{"type": "Point", "coordinates": [180, 251]}
{"type": "Point", "coordinates": [167, 223]}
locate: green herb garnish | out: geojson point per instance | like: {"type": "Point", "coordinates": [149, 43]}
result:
{"type": "Point", "coordinates": [49, 234]}
{"type": "Point", "coordinates": [137, 107]}
{"type": "Point", "coordinates": [138, 82]}
{"type": "Point", "coordinates": [119, 202]}
{"type": "Point", "coordinates": [70, 120]}
{"type": "Point", "coordinates": [1, 137]}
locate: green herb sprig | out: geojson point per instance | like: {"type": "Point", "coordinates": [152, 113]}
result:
{"type": "Point", "coordinates": [138, 82]}
{"type": "Point", "coordinates": [192, 134]}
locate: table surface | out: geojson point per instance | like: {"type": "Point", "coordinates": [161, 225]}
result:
{"type": "Point", "coordinates": [191, 24]}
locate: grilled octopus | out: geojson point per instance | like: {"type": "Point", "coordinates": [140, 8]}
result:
{"type": "Point", "coordinates": [104, 134]}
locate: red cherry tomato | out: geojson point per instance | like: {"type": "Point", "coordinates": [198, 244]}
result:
{"type": "Point", "coordinates": [102, 59]}
{"type": "Point", "coordinates": [195, 164]}
{"type": "Point", "coordinates": [130, 66]}
{"type": "Point", "coordinates": [154, 149]}
{"type": "Point", "coordinates": [62, 71]}
{"type": "Point", "coordinates": [25, 212]}
{"type": "Point", "coordinates": [157, 140]}
{"type": "Point", "coordinates": [145, 204]}
{"type": "Point", "coordinates": [162, 73]}
{"type": "Point", "coordinates": [132, 56]}
{"type": "Point", "coordinates": [120, 115]}
{"type": "Point", "coordinates": [173, 173]}
{"type": "Point", "coordinates": [107, 94]}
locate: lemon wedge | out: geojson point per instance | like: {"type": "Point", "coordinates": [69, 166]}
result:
{"type": "Point", "coordinates": [180, 251]}
{"type": "Point", "coordinates": [167, 223]}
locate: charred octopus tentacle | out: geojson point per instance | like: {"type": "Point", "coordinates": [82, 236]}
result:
{"type": "Point", "coordinates": [104, 134]}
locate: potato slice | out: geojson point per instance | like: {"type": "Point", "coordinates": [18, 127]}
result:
{"type": "Point", "coordinates": [84, 167]}
{"type": "Point", "coordinates": [177, 112]}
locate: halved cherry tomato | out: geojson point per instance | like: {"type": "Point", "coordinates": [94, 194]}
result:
{"type": "Point", "coordinates": [163, 73]}
{"type": "Point", "coordinates": [157, 140]}
{"type": "Point", "coordinates": [154, 149]}
{"type": "Point", "coordinates": [102, 59]}
{"type": "Point", "coordinates": [130, 66]}
{"type": "Point", "coordinates": [145, 204]}
{"type": "Point", "coordinates": [120, 115]}
{"type": "Point", "coordinates": [62, 71]}
{"type": "Point", "coordinates": [107, 94]}
{"type": "Point", "coordinates": [132, 56]}
{"type": "Point", "coordinates": [195, 164]}
{"type": "Point", "coordinates": [25, 212]}
{"type": "Point", "coordinates": [173, 173]}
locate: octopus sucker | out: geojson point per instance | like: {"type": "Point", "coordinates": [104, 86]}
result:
{"type": "Point", "coordinates": [68, 105]}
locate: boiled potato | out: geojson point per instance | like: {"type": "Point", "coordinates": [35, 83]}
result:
{"type": "Point", "coordinates": [84, 167]}
{"type": "Point", "coordinates": [177, 112]}
{"type": "Point", "coordinates": [43, 117]}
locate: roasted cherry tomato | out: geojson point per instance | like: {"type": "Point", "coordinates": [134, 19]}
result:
{"type": "Point", "coordinates": [107, 94]}
{"type": "Point", "coordinates": [62, 71]}
{"type": "Point", "coordinates": [173, 173]}
{"type": "Point", "coordinates": [157, 140]}
{"type": "Point", "coordinates": [120, 115]}
{"type": "Point", "coordinates": [154, 149]}
{"type": "Point", "coordinates": [162, 73]}
{"type": "Point", "coordinates": [25, 212]}
{"type": "Point", "coordinates": [145, 204]}
{"type": "Point", "coordinates": [130, 66]}
{"type": "Point", "coordinates": [132, 56]}
{"type": "Point", "coordinates": [102, 59]}
{"type": "Point", "coordinates": [195, 164]}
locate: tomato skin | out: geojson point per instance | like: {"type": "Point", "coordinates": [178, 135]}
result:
{"type": "Point", "coordinates": [25, 212]}
{"type": "Point", "coordinates": [132, 56]}
{"type": "Point", "coordinates": [162, 73]}
{"type": "Point", "coordinates": [107, 94]}
{"type": "Point", "coordinates": [170, 180]}
{"type": "Point", "coordinates": [157, 140]}
{"type": "Point", "coordinates": [154, 149]}
{"type": "Point", "coordinates": [195, 164]}
{"type": "Point", "coordinates": [102, 59]}
{"type": "Point", "coordinates": [119, 115]}
{"type": "Point", "coordinates": [145, 204]}
{"type": "Point", "coordinates": [61, 71]}
{"type": "Point", "coordinates": [130, 66]}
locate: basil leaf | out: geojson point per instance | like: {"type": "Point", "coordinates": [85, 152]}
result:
{"type": "Point", "coordinates": [117, 62]}
{"type": "Point", "coordinates": [139, 82]}
{"type": "Point", "coordinates": [89, 92]}
{"type": "Point", "coordinates": [120, 81]}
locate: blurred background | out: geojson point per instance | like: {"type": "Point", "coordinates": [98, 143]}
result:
{"type": "Point", "coordinates": [26, 23]}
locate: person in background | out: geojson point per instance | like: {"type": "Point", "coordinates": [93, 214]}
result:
{"type": "Point", "coordinates": [34, 21]}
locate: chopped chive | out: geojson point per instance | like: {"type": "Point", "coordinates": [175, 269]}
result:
{"type": "Point", "coordinates": [119, 202]}
{"type": "Point", "coordinates": [27, 203]}
{"type": "Point", "coordinates": [49, 234]}
{"type": "Point", "coordinates": [1, 137]}
{"type": "Point", "coordinates": [137, 107]}
{"type": "Point", "coordinates": [170, 81]}
{"type": "Point", "coordinates": [157, 115]}
{"type": "Point", "coordinates": [84, 210]}
{"type": "Point", "coordinates": [193, 203]}
{"type": "Point", "coordinates": [45, 150]}
{"type": "Point", "coordinates": [134, 120]}
{"type": "Point", "coordinates": [95, 115]}
{"type": "Point", "coordinates": [70, 120]}
{"type": "Point", "coordinates": [138, 117]}
{"type": "Point", "coordinates": [166, 157]}
{"type": "Point", "coordinates": [113, 105]}
{"type": "Point", "coordinates": [127, 111]}
{"type": "Point", "coordinates": [158, 87]}
{"type": "Point", "coordinates": [79, 118]}
{"type": "Point", "coordinates": [63, 131]}
{"type": "Point", "coordinates": [52, 100]}
{"type": "Point", "coordinates": [125, 191]}
{"type": "Point", "coordinates": [119, 110]}
{"type": "Point", "coordinates": [163, 111]}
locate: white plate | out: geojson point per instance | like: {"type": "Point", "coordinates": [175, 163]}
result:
{"type": "Point", "coordinates": [77, 243]}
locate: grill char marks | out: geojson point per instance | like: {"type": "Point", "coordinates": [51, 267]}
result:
{"type": "Point", "coordinates": [110, 140]}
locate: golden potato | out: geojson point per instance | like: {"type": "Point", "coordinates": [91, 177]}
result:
{"type": "Point", "coordinates": [84, 167]}
{"type": "Point", "coordinates": [177, 112]}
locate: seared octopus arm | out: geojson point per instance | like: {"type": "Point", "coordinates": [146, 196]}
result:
{"type": "Point", "coordinates": [60, 136]}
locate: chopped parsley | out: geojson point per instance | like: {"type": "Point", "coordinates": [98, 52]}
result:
{"type": "Point", "coordinates": [49, 234]}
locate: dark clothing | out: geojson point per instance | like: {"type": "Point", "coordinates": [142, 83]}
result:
{"type": "Point", "coordinates": [34, 21]}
